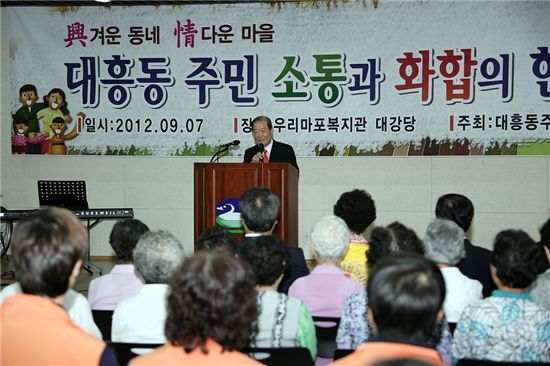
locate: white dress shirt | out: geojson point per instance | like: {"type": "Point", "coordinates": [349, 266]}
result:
{"type": "Point", "coordinates": [140, 318]}
{"type": "Point", "coordinates": [461, 291]}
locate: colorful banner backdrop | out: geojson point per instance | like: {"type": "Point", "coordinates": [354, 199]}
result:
{"type": "Point", "coordinates": [342, 78]}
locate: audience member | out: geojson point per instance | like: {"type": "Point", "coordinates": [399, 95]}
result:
{"type": "Point", "coordinates": [140, 318]}
{"type": "Point", "coordinates": [475, 264]}
{"type": "Point", "coordinates": [508, 325]}
{"type": "Point", "coordinates": [406, 294]}
{"type": "Point", "coordinates": [259, 212]}
{"type": "Point", "coordinates": [357, 209]}
{"type": "Point", "coordinates": [282, 321]}
{"type": "Point", "coordinates": [540, 290]}
{"type": "Point", "coordinates": [107, 291]}
{"type": "Point", "coordinates": [49, 247]}
{"type": "Point", "coordinates": [354, 328]}
{"type": "Point", "coordinates": [444, 244]}
{"type": "Point", "coordinates": [74, 303]}
{"type": "Point", "coordinates": [211, 308]}
{"type": "Point", "coordinates": [217, 237]}
{"type": "Point", "coordinates": [325, 290]}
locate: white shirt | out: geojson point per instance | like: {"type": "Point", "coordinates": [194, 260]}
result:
{"type": "Point", "coordinates": [140, 318]}
{"type": "Point", "coordinates": [107, 291]}
{"type": "Point", "coordinates": [75, 304]}
{"type": "Point", "coordinates": [268, 148]}
{"type": "Point", "coordinates": [461, 291]}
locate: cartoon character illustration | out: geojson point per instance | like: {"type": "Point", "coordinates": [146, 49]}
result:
{"type": "Point", "coordinates": [20, 139]}
{"type": "Point", "coordinates": [57, 141]}
{"type": "Point", "coordinates": [28, 111]}
{"type": "Point", "coordinates": [54, 100]}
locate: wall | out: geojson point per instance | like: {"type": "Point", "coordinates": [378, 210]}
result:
{"type": "Point", "coordinates": [508, 191]}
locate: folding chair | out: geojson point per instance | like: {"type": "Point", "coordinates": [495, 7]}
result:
{"type": "Point", "coordinates": [126, 351]}
{"type": "Point", "coordinates": [103, 319]}
{"type": "Point", "coordinates": [339, 353]}
{"type": "Point", "coordinates": [326, 329]}
{"type": "Point", "coordinates": [283, 356]}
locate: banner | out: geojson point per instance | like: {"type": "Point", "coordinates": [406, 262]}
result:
{"type": "Point", "coordinates": [181, 80]}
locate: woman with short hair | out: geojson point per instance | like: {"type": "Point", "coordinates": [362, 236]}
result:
{"type": "Point", "coordinates": [211, 308]}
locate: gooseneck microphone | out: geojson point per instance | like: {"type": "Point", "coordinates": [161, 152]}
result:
{"type": "Point", "coordinates": [261, 150]}
{"type": "Point", "coordinates": [232, 143]}
{"type": "Point", "coordinates": [223, 149]}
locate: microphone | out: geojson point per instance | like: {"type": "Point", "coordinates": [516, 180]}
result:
{"type": "Point", "coordinates": [261, 149]}
{"type": "Point", "coordinates": [223, 149]}
{"type": "Point", "coordinates": [232, 143]}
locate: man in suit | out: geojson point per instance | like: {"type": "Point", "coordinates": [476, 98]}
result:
{"type": "Point", "coordinates": [475, 265]}
{"type": "Point", "coordinates": [272, 151]}
{"type": "Point", "coordinates": [259, 212]}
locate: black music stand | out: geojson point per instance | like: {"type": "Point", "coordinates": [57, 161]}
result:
{"type": "Point", "coordinates": [70, 194]}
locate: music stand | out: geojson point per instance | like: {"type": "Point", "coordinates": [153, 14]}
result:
{"type": "Point", "coordinates": [70, 194]}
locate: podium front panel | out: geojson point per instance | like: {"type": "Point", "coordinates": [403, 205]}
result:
{"type": "Point", "coordinates": [215, 182]}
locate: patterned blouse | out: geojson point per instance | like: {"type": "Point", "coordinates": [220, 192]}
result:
{"type": "Point", "coordinates": [507, 326]}
{"type": "Point", "coordinates": [540, 293]}
{"type": "Point", "coordinates": [283, 321]}
{"type": "Point", "coordinates": [354, 328]}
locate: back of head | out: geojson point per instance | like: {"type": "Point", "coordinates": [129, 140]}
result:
{"type": "Point", "coordinates": [267, 257]}
{"type": "Point", "coordinates": [544, 261]}
{"type": "Point", "coordinates": [47, 245]}
{"type": "Point", "coordinates": [444, 242]}
{"type": "Point", "coordinates": [406, 240]}
{"type": "Point", "coordinates": [515, 258]}
{"type": "Point", "coordinates": [156, 256]}
{"type": "Point", "coordinates": [396, 237]}
{"type": "Point", "coordinates": [457, 208]}
{"type": "Point", "coordinates": [217, 237]}
{"type": "Point", "coordinates": [124, 237]}
{"type": "Point", "coordinates": [545, 234]}
{"type": "Point", "coordinates": [357, 209]}
{"type": "Point", "coordinates": [259, 209]}
{"type": "Point", "coordinates": [406, 293]}
{"type": "Point", "coordinates": [330, 238]}
{"type": "Point", "coordinates": [212, 296]}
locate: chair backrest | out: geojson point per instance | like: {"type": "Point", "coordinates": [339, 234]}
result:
{"type": "Point", "coordinates": [283, 356]}
{"type": "Point", "coordinates": [126, 351]}
{"type": "Point", "coordinates": [339, 353]}
{"type": "Point", "coordinates": [103, 319]}
{"type": "Point", "coordinates": [326, 329]}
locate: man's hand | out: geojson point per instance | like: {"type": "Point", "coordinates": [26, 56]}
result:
{"type": "Point", "coordinates": [258, 157]}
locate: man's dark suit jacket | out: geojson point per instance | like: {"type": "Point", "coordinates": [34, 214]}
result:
{"type": "Point", "coordinates": [296, 269]}
{"type": "Point", "coordinates": [280, 153]}
{"type": "Point", "coordinates": [476, 266]}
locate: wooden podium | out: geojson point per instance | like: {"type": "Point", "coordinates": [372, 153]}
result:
{"type": "Point", "coordinates": [215, 182]}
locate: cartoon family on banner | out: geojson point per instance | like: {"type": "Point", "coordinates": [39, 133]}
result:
{"type": "Point", "coordinates": [39, 127]}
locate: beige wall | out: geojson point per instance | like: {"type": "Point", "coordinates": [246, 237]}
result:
{"type": "Point", "coordinates": [508, 192]}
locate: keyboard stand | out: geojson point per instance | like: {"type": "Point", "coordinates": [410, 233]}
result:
{"type": "Point", "coordinates": [90, 266]}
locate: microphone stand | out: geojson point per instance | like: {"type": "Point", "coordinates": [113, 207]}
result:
{"type": "Point", "coordinates": [218, 153]}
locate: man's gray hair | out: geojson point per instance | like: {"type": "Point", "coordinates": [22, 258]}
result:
{"type": "Point", "coordinates": [330, 238]}
{"type": "Point", "coordinates": [259, 209]}
{"type": "Point", "coordinates": [157, 255]}
{"type": "Point", "coordinates": [444, 242]}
